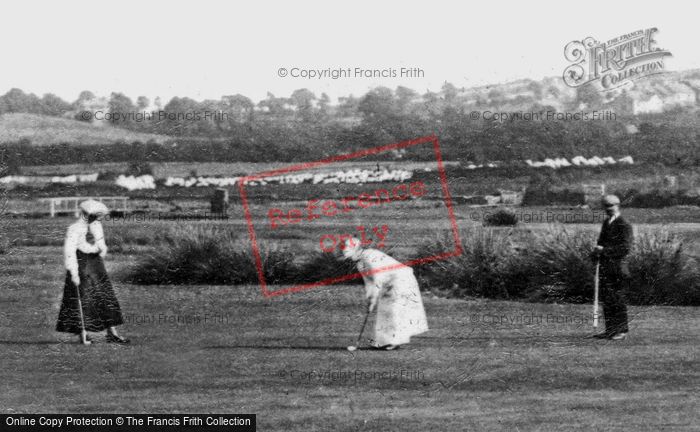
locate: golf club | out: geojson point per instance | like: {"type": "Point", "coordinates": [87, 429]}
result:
{"type": "Point", "coordinates": [359, 336]}
{"type": "Point", "coordinates": [595, 293]}
{"type": "Point", "coordinates": [83, 333]}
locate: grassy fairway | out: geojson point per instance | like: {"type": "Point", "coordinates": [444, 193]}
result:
{"type": "Point", "coordinates": [484, 365]}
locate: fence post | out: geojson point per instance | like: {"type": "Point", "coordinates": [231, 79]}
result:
{"type": "Point", "coordinates": [592, 194]}
{"type": "Point", "coordinates": [219, 201]}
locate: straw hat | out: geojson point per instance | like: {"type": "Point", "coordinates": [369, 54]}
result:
{"type": "Point", "coordinates": [92, 207]}
{"type": "Point", "coordinates": [610, 200]}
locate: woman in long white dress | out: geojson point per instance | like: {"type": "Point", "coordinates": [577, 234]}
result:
{"type": "Point", "coordinates": [394, 292]}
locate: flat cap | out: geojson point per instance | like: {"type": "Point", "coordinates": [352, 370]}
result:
{"type": "Point", "coordinates": [610, 200]}
{"type": "Point", "coordinates": [93, 207]}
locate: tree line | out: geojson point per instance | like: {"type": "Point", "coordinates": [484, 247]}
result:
{"type": "Point", "coordinates": [305, 126]}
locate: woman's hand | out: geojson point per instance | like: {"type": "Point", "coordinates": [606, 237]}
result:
{"type": "Point", "coordinates": [371, 303]}
{"type": "Point", "coordinates": [75, 279]}
{"type": "Point", "coordinates": [371, 295]}
{"type": "Point", "coordinates": [370, 306]}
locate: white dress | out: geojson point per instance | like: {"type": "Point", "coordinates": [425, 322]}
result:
{"type": "Point", "coordinates": [400, 312]}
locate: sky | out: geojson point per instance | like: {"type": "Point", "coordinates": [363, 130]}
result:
{"type": "Point", "coordinates": [206, 49]}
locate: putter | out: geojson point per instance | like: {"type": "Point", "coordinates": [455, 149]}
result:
{"type": "Point", "coordinates": [362, 329]}
{"type": "Point", "coordinates": [595, 293]}
{"type": "Point", "coordinates": [83, 333]}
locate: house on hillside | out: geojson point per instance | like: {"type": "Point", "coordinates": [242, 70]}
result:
{"type": "Point", "coordinates": [92, 104]}
{"type": "Point", "coordinates": [662, 97]}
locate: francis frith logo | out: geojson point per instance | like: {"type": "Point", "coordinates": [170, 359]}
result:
{"type": "Point", "coordinates": [617, 62]}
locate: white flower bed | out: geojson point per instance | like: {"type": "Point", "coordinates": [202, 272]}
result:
{"type": "Point", "coordinates": [488, 165]}
{"type": "Point", "coordinates": [70, 179]}
{"type": "Point", "coordinates": [136, 183]}
{"type": "Point", "coordinates": [201, 181]}
{"type": "Point", "coordinates": [350, 176]}
{"type": "Point", "coordinates": [579, 161]}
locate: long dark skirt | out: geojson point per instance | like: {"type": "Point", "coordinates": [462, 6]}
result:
{"type": "Point", "coordinates": [100, 306]}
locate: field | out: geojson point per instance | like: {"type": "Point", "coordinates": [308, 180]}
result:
{"type": "Point", "coordinates": [184, 169]}
{"type": "Point", "coordinates": [485, 185]}
{"type": "Point", "coordinates": [484, 365]}
{"type": "Point", "coordinates": [643, 188]}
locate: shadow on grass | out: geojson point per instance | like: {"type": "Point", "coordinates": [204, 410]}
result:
{"type": "Point", "coordinates": [288, 347]}
{"type": "Point", "coordinates": [18, 342]}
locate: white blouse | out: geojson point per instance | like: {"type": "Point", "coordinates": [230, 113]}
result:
{"type": "Point", "coordinates": [372, 259]}
{"type": "Point", "coordinates": [75, 240]}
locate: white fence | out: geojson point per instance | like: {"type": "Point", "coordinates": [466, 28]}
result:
{"type": "Point", "coordinates": [68, 205]}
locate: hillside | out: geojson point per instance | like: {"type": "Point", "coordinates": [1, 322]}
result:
{"type": "Point", "coordinates": [654, 94]}
{"type": "Point", "coordinates": [44, 130]}
{"type": "Point", "coordinates": [475, 125]}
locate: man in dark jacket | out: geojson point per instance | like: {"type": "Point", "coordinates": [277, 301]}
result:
{"type": "Point", "coordinates": [614, 244]}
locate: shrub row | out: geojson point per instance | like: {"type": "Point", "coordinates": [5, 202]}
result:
{"type": "Point", "coordinates": [214, 255]}
{"type": "Point", "coordinates": [555, 267]}
{"type": "Point", "coordinates": [658, 198]}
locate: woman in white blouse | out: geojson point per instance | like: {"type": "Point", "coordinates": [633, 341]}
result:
{"type": "Point", "coordinates": [89, 303]}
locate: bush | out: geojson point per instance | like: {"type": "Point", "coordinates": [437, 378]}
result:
{"type": "Point", "coordinates": [495, 263]}
{"type": "Point", "coordinates": [555, 266]}
{"type": "Point", "coordinates": [213, 255]}
{"type": "Point", "coordinates": [661, 272]}
{"type": "Point", "coordinates": [543, 195]}
{"type": "Point", "coordinates": [9, 163]}
{"type": "Point", "coordinates": [321, 266]}
{"type": "Point", "coordinates": [502, 217]}
{"type": "Point", "coordinates": [139, 168]}
{"type": "Point", "coordinates": [208, 255]}
{"type": "Point", "coordinates": [482, 270]}
{"type": "Point", "coordinates": [658, 199]}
